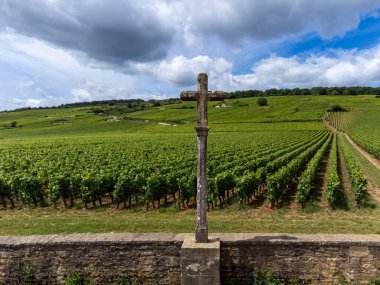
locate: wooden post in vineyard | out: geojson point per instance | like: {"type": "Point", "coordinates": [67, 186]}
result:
{"type": "Point", "coordinates": [202, 96]}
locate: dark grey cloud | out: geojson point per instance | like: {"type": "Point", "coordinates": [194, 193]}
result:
{"type": "Point", "coordinates": [233, 20]}
{"type": "Point", "coordinates": [111, 31]}
{"type": "Point", "coordinates": [116, 31]}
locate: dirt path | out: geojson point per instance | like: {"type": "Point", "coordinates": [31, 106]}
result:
{"type": "Point", "coordinates": [369, 157]}
{"type": "Point", "coordinates": [374, 190]}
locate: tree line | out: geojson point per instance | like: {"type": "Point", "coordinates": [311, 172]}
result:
{"type": "Point", "coordinates": [124, 104]}
{"type": "Point", "coordinates": [335, 91]}
{"type": "Point", "coordinates": [140, 104]}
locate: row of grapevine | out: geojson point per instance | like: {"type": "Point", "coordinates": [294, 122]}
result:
{"type": "Point", "coordinates": [272, 166]}
{"type": "Point", "coordinates": [244, 178]}
{"type": "Point", "coordinates": [144, 169]}
{"type": "Point", "coordinates": [364, 131]}
{"type": "Point", "coordinates": [338, 120]}
{"type": "Point", "coordinates": [249, 184]}
{"type": "Point", "coordinates": [306, 180]}
{"type": "Point", "coordinates": [370, 145]}
{"type": "Point", "coordinates": [333, 182]}
{"type": "Point", "coordinates": [261, 157]}
{"type": "Point", "coordinates": [362, 127]}
{"type": "Point", "coordinates": [278, 181]}
{"type": "Point", "coordinates": [357, 179]}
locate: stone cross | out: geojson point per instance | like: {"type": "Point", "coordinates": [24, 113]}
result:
{"type": "Point", "coordinates": [202, 96]}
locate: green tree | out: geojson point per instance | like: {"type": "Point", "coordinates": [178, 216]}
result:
{"type": "Point", "coordinates": [262, 101]}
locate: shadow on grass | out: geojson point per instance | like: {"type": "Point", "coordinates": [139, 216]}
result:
{"type": "Point", "coordinates": [368, 202]}
{"type": "Point", "coordinates": [311, 208]}
{"type": "Point", "coordinates": [259, 200]}
{"type": "Point", "coordinates": [342, 202]}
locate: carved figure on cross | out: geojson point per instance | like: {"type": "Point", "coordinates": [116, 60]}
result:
{"type": "Point", "coordinates": [202, 96]}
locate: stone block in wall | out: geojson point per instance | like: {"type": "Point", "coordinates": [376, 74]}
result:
{"type": "Point", "coordinates": [200, 262]}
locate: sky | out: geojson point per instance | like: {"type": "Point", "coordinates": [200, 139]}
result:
{"type": "Point", "coordinates": [54, 52]}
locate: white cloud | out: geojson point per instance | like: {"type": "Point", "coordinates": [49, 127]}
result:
{"type": "Point", "coordinates": [81, 95]}
{"type": "Point", "coordinates": [68, 51]}
{"type": "Point", "coordinates": [33, 102]}
{"type": "Point", "coordinates": [24, 84]}
{"type": "Point", "coordinates": [333, 68]}
{"type": "Point", "coordinates": [181, 71]}
{"type": "Point", "coordinates": [340, 68]}
{"type": "Point", "coordinates": [34, 69]}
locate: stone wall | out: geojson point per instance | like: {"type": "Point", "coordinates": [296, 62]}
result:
{"type": "Point", "coordinates": [315, 259]}
{"type": "Point", "coordinates": [101, 257]}
{"type": "Point", "coordinates": [155, 258]}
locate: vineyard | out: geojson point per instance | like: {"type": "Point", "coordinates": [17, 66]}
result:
{"type": "Point", "coordinates": [153, 169]}
{"type": "Point", "coordinates": [291, 154]}
{"type": "Point", "coordinates": [361, 126]}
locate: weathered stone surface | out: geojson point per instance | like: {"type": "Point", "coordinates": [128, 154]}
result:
{"type": "Point", "coordinates": [200, 262]}
{"type": "Point", "coordinates": [202, 96]}
{"type": "Point", "coordinates": [156, 258]}
{"type": "Point", "coordinates": [315, 259]}
{"type": "Point", "coordinates": [102, 257]}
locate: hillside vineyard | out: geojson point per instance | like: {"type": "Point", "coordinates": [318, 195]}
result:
{"type": "Point", "coordinates": [152, 171]}
{"type": "Point", "coordinates": [268, 159]}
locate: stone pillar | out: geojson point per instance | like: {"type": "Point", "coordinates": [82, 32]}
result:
{"type": "Point", "coordinates": [200, 262]}
{"type": "Point", "coordinates": [201, 230]}
{"type": "Point", "coordinates": [202, 96]}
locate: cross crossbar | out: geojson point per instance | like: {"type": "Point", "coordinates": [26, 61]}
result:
{"type": "Point", "coordinates": [195, 95]}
